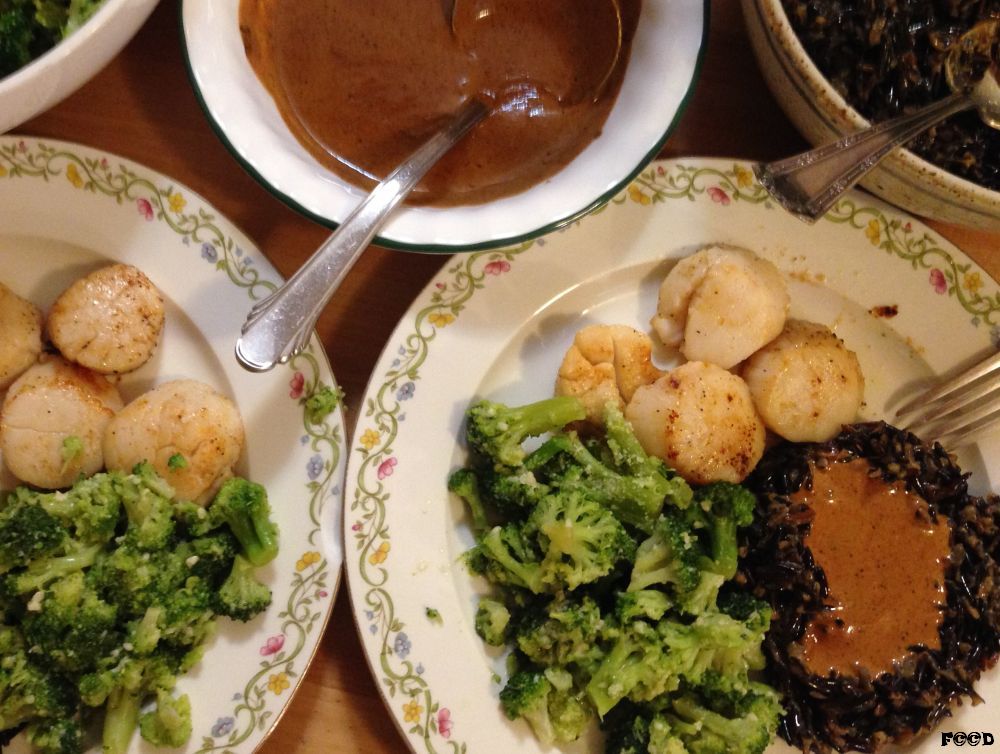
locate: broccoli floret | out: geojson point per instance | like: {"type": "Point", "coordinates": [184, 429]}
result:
{"type": "Point", "coordinates": [515, 493]}
{"type": "Point", "coordinates": [492, 619]}
{"type": "Point", "coordinates": [554, 714]}
{"type": "Point", "coordinates": [321, 403]}
{"type": "Point", "coordinates": [43, 571]}
{"type": "Point", "coordinates": [647, 604]}
{"type": "Point", "coordinates": [27, 532]}
{"type": "Point", "coordinates": [714, 641]}
{"type": "Point", "coordinates": [721, 508]}
{"type": "Point", "coordinates": [169, 724]}
{"type": "Point", "coordinates": [243, 505]}
{"type": "Point", "coordinates": [568, 633]}
{"type": "Point", "coordinates": [195, 519]}
{"type": "Point", "coordinates": [497, 432]}
{"type": "Point", "coordinates": [61, 735]}
{"type": "Point", "coordinates": [242, 596]}
{"type": "Point", "coordinates": [581, 539]}
{"type": "Point", "coordinates": [29, 690]}
{"type": "Point", "coordinates": [90, 509]}
{"type": "Point", "coordinates": [668, 557]}
{"type": "Point", "coordinates": [464, 483]}
{"type": "Point", "coordinates": [635, 498]}
{"type": "Point", "coordinates": [706, 732]}
{"type": "Point", "coordinates": [636, 667]}
{"type": "Point", "coordinates": [72, 626]}
{"type": "Point", "coordinates": [149, 507]}
{"type": "Point", "coordinates": [505, 556]}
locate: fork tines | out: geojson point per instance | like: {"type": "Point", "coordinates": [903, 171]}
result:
{"type": "Point", "coordinates": [958, 410]}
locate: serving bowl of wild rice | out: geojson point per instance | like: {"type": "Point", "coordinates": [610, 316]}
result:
{"type": "Point", "coordinates": [836, 66]}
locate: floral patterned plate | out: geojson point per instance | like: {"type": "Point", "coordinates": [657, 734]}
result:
{"type": "Point", "coordinates": [496, 324]}
{"type": "Point", "coordinates": [67, 209]}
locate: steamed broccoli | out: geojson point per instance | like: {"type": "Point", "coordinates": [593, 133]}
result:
{"type": "Point", "coordinates": [465, 484]}
{"type": "Point", "coordinates": [647, 637]}
{"type": "Point", "coordinates": [492, 619]}
{"type": "Point", "coordinates": [109, 585]}
{"type": "Point", "coordinates": [242, 596]}
{"type": "Point", "coordinates": [668, 557]}
{"type": "Point", "coordinates": [17, 36]}
{"type": "Point", "coordinates": [581, 539]}
{"type": "Point", "coordinates": [243, 505]}
{"type": "Point", "coordinates": [565, 634]}
{"type": "Point", "coordinates": [497, 432]}
{"type": "Point", "coordinates": [554, 714]}
{"type": "Point", "coordinates": [169, 724]}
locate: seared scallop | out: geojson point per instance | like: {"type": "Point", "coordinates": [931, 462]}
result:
{"type": "Point", "coordinates": [700, 419]}
{"type": "Point", "coordinates": [606, 363]}
{"type": "Point", "coordinates": [190, 433]}
{"type": "Point", "coordinates": [53, 421]}
{"type": "Point", "coordinates": [720, 305]}
{"type": "Point", "coordinates": [20, 335]}
{"type": "Point", "coordinates": [109, 321]}
{"type": "Point", "coordinates": [805, 383]}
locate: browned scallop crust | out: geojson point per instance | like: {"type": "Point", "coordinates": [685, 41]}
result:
{"type": "Point", "coordinates": [864, 713]}
{"type": "Point", "coordinates": [109, 321]}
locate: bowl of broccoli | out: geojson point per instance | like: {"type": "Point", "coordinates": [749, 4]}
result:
{"type": "Point", "coordinates": [50, 48]}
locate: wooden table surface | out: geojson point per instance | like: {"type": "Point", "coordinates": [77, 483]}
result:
{"type": "Point", "coordinates": [141, 106]}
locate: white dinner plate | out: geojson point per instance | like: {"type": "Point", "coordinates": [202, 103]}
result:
{"type": "Point", "coordinates": [65, 210]}
{"type": "Point", "coordinates": [497, 324]}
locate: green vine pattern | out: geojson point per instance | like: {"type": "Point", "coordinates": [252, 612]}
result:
{"type": "Point", "coordinates": [308, 599]}
{"type": "Point", "coordinates": [402, 677]}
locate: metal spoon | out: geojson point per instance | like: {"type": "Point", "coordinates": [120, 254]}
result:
{"type": "Point", "coordinates": [280, 326]}
{"type": "Point", "coordinates": [809, 183]}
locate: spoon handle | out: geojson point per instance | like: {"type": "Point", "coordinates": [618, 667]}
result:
{"type": "Point", "coordinates": [279, 326]}
{"type": "Point", "coordinates": [808, 184]}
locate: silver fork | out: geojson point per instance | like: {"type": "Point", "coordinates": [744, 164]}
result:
{"type": "Point", "coordinates": [959, 410]}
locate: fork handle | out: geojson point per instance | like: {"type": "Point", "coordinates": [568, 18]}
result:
{"type": "Point", "coordinates": [280, 326]}
{"type": "Point", "coordinates": [808, 184]}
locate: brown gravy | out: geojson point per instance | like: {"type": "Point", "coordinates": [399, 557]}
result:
{"type": "Point", "coordinates": [363, 84]}
{"type": "Point", "coordinates": [884, 562]}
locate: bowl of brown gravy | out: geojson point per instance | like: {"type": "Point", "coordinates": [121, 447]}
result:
{"type": "Point", "coordinates": [320, 99]}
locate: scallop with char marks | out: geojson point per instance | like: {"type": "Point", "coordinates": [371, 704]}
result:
{"type": "Point", "coordinates": [805, 383]}
{"type": "Point", "coordinates": [700, 419]}
{"type": "Point", "coordinates": [109, 320]}
{"type": "Point", "coordinates": [20, 335]}
{"type": "Point", "coordinates": [52, 423]}
{"type": "Point", "coordinates": [190, 433]}
{"type": "Point", "coordinates": [720, 305]}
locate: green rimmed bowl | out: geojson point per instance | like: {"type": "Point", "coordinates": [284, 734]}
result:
{"type": "Point", "coordinates": [665, 59]}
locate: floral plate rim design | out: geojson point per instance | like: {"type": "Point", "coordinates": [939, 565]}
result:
{"type": "Point", "coordinates": [402, 565]}
{"type": "Point", "coordinates": [190, 244]}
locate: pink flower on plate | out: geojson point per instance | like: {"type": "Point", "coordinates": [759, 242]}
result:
{"type": "Point", "coordinates": [497, 267]}
{"type": "Point", "coordinates": [273, 645]}
{"type": "Point", "coordinates": [444, 722]}
{"type": "Point", "coordinates": [719, 196]}
{"type": "Point", "coordinates": [440, 286]}
{"type": "Point", "coordinates": [386, 467]}
{"type": "Point", "coordinates": [938, 283]}
{"type": "Point", "coordinates": [295, 385]}
{"type": "Point", "coordinates": [145, 208]}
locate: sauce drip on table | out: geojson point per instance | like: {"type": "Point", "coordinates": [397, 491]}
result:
{"type": "Point", "coordinates": [884, 561]}
{"type": "Point", "coordinates": [362, 84]}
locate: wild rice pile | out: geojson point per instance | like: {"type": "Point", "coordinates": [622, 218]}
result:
{"type": "Point", "coordinates": [841, 712]}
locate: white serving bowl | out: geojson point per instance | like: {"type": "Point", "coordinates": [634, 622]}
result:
{"type": "Point", "coordinates": [62, 70]}
{"type": "Point", "coordinates": [666, 56]}
{"type": "Point", "coordinates": [821, 114]}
